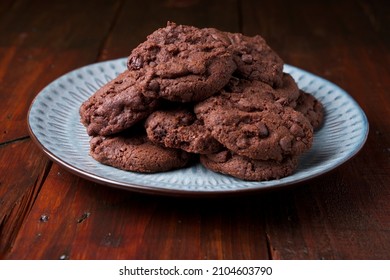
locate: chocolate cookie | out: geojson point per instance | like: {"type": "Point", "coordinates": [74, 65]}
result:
{"type": "Point", "coordinates": [182, 63]}
{"type": "Point", "coordinates": [311, 108]}
{"type": "Point", "coordinates": [255, 60]}
{"type": "Point", "coordinates": [258, 130]}
{"type": "Point", "coordinates": [180, 129]}
{"type": "Point", "coordinates": [136, 153]}
{"type": "Point", "coordinates": [249, 169]}
{"type": "Point", "coordinates": [116, 106]}
{"type": "Point", "coordinates": [252, 92]}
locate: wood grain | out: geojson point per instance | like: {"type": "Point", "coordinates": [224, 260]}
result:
{"type": "Point", "coordinates": [30, 61]}
{"type": "Point", "coordinates": [88, 221]}
{"type": "Point", "coordinates": [23, 168]}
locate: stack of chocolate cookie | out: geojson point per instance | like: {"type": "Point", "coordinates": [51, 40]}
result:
{"type": "Point", "coordinates": [190, 93]}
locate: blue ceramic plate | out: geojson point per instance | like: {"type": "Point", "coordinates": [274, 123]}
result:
{"type": "Point", "coordinates": [55, 125]}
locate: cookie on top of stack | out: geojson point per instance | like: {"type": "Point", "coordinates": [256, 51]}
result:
{"type": "Point", "coordinates": [190, 93]}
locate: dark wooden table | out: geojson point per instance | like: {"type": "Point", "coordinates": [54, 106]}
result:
{"type": "Point", "coordinates": [48, 213]}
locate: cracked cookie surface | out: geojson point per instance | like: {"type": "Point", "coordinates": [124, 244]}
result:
{"type": "Point", "coordinates": [182, 63]}
{"type": "Point", "coordinates": [258, 130]}
{"type": "Point", "coordinates": [255, 60]}
{"type": "Point", "coordinates": [252, 92]}
{"type": "Point", "coordinates": [179, 128]}
{"type": "Point", "coordinates": [116, 106]}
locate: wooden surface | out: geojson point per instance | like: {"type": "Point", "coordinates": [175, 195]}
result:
{"type": "Point", "coordinates": [48, 213]}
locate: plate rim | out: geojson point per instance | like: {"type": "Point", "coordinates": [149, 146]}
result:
{"type": "Point", "coordinates": [147, 189]}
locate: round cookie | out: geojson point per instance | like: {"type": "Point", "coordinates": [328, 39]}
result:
{"type": "Point", "coordinates": [255, 60]}
{"type": "Point", "coordinates": [136, 153]}
{"type": "Point", "coordinates": [180, 129]}
{"type": "Point", "coordinates": [311, 108]}
{"type": "Point", "coordinates": [261, 130]}
{"type": "Point", "coordinates": [248, 169]}
{"type": "Point", "coordinates": [182, 63]}
{"type": "Point", "coordinates": [116, 106]}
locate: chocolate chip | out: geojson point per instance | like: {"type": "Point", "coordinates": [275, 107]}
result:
{"type": "Point", "coordinates": [136, 62]}
{"type": "Point", "coordinates": [154, 85]}
{"type": "Point", "coordinates": [263, 130]}
{"type": "Point", "coordinates": [285, 143]}
{"type": "Point", "coordinates": [297, 130]}
{"type": "Point", "coordinates": [247, 58]}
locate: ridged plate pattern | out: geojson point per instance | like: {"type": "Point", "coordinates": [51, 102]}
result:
{"type": "Point", "coordinates": [54, 123]}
